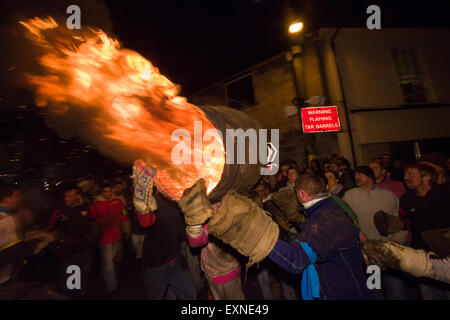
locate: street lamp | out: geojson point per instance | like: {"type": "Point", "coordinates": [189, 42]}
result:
{"type": "Point", "coordinates": [296, 41]}
{"type": "Point", "coordinates": [296, 27]}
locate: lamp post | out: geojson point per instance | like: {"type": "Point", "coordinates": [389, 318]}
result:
{"type": "Point", "coordinates": [295, 29]}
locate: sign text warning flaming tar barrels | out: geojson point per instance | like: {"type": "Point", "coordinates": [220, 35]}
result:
{"type": "Point", "coordinates": [320, 119]}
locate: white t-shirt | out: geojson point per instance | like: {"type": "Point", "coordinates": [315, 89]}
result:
{"type": "Point", "coordinates": [366, 204]}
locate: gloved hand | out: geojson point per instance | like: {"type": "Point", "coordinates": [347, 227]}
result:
{"type": "Point", "coordinates": [387, 223]}
{"type": "Point", "coordinates": [390, 254]}
{"type": "Point", "coordinates": [286, 200]}
{"type": "Point", "coordinates": [195, 205]}
{"type": "Point", "coordinates": [143, 180]}
{"type": "Point", "coordinates": [194, 230]}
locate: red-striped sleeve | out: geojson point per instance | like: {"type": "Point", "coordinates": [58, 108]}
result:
{"type": "Point", "coordinates": [146, 220]}
{"type": "Point", "coordinates": [199, 241]}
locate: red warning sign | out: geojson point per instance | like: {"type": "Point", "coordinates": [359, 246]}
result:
{"type": "Point", "coordinates": [320, 119]}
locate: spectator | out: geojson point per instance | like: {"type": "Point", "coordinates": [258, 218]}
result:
{"type": "Point", "coordinates": [383, 180]}
{"type": "Point", "coordinates": [315, 166]}
{"type": "Point", "coordinates": [75, 226]}
{"type": "Point", "coordinates": [119, 186]}
{"type": "Point", "coordinates": [345, 177]}
{"type": "Point", "coordinates": [301, 169]}
{"type": "Point", "coordinates": [292, 176]}
{"type": "Point", "coordinates": [438, 163]}
{"type": "Point", "coordinates": [386, 159]}
{"type": "Point", "coordinates": [263, 191]}
{"type": "Point", "coordinates": [86, 185]}
{"type": "Point", "coordinates": [333, 185]}
{"type": "Point", "coordinates": [397, 170]}
{"type": "Point", "coordinates": [110, 213]}
{"type": "Point", "coordinates": [365, 200]}
{"type": "Point", "coordinates": [272, 181]}
{"type": "Point", "coordinates": [425, 208]}
{"type": "Point", "coordinates": [284, 170]}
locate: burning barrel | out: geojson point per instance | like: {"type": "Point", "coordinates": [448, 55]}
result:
{"type": "Point", "coordinates": [239, 177]}
{"type": "Point", "coordinates": [115, 100]}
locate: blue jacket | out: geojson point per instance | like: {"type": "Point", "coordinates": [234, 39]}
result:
{"type": "Point", "coordinates": [331, 234]}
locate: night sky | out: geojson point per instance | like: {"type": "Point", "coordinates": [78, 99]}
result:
{"type": "Point", "coordinates": [196, 43]}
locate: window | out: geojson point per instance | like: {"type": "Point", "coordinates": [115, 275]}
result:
{"type": "Point", "coordinates": [409, 75]}
{"type": "Point", "coordinates": [240, 92]}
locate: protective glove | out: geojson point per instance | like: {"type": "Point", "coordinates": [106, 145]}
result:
{"type": "Point", "coordinates": [277, 215]}
{"type": "Point", "coordinates": [387, 223]}
{"type": "Point", "coordinates": [195, 205]}
{"type": "Point", "coordinates": [194, 230]}
{"type": "Point", "coordinates": [286, 200]}
{"type": "Point", "coordinates": [143, 180]}
{"type": "Point", "coordinates": [390, 254]}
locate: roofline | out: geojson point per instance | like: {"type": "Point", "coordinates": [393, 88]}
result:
{"type": "Point", "coordinates": [239, 74]}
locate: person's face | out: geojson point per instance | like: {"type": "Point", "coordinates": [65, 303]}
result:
{"type": "Point", "coordinates": [272, 179]}
{"type": "Point", "coordinates": [386, 159]}
{"type": "Point", "coordinates": [284, 170]}
{"type": "Point", "coordinates": [262, 192]}
{"type": "Point", "coordinates": [292, 175]}
{"type": "Point", "coordinates": [397, 164]}
{"type": "Point", "coordinates": [377, 170]}
{"type": "Point", "coordinates": [334, 167]}
{"type": "Point", "coordinates": [361, 179]}
{"type": "Point", "coordinates": [72, 198]}
{"type": "Point", "coordinates": [118, 188]}
{"type": "Point", "coordinates": [331, 179]}
{"type": "Point", "coordinates": [107, 193]}
{"type": "Point", "coordinates": [413, 179]}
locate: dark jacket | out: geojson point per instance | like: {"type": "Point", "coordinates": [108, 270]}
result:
{"type": "Point", "coordinates": [162, 243]}
{"type": "Point", "coordinates": [331, 234]}
{"type": "Point", "coordinates": [425, 213]}
{"type": "Point", "coordinates": [75, 225]}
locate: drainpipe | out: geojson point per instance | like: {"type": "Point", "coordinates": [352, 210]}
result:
{"type": "Point", "coordinates": [347, 118]}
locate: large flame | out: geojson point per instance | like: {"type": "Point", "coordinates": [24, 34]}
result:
{"type": "Point", "coordinates": [117, 101]}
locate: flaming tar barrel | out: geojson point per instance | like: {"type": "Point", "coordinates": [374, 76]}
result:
{"type": "Point", "coordinates": [240, 177]}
